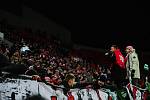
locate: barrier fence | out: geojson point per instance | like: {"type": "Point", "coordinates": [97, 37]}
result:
{"type": "Point", "coordinates": [20, 89]}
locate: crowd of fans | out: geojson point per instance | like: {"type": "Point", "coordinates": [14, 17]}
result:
{"type": "Point", "coordinates": [47, 58]}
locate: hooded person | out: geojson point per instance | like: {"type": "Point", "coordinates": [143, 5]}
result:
{"type": "Point", "coordinates": [132, 64]}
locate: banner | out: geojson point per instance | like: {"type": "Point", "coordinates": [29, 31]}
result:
{"type": "Point", "coordinates": [19, 89]}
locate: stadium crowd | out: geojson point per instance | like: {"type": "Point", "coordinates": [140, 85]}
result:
{"type": "Point", "coordinates": [47, 58]}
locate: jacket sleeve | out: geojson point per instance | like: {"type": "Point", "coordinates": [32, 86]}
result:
{"type": "Point", "coordinates": [134, 61]}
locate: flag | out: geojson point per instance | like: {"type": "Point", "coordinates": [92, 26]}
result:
{"type": "Point", "coordinates": [133, 92]}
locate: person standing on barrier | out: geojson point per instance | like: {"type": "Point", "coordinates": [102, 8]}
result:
{"type": "Point", "coordinates": [132, 64]}
{"type": "Point", "coordinates": [118, 71]}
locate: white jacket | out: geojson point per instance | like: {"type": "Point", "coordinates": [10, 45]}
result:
{"type": "Point", "coordinates": [133, 64]}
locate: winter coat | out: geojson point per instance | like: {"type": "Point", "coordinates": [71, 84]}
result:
{"type": "Point", "coordinates": [132, 63]}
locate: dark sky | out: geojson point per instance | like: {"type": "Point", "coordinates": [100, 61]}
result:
{"type": "Point", "coordinates": [99, 24]}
